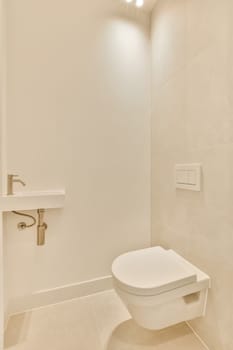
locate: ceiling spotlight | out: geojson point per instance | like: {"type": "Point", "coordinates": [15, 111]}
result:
{"type": "Point", "coordinates": [129, 1]}
{"type": "Point", "coordinates": [139, 3]}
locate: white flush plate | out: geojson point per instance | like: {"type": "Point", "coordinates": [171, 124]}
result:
{"type": "Point", "coordinates": [188, 176]}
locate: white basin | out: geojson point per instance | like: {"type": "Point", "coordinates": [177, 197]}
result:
{"type": "Point", "coordinates": [33, 200]}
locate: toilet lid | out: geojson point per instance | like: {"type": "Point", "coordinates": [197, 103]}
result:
{"type": "Point", "coordinates": [151, 271]}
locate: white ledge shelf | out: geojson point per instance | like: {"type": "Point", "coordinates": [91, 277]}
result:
{"type": "Point", "coordinates": [33, 200]}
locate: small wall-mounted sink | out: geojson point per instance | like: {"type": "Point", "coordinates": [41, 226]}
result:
{"type": "Point", "coordinates": [33, 200]}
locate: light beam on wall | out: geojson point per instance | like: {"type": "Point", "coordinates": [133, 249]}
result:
{"type": "Point", "coordinates": [138, 3]}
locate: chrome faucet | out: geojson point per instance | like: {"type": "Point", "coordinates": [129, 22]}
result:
{"type": "Point", "coordinates": [11, 179]}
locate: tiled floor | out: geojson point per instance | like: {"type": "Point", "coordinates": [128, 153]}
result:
{"type": "Point", "coordinates": [98, 322]}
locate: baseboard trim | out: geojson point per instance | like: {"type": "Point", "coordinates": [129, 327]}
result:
{"type": "Point", "coordinates": [198, 337]}
{"type": "Point", "coordinates": [6, 320]}
{"type": "Point", "coordinates": [1, 340]}
{"type": "Point", "coordinates": [57, 295]}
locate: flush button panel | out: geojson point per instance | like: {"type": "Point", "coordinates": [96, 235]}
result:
{"type": "Point", "coordinates": [188, 176]}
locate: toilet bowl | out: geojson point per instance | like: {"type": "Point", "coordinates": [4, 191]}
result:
{"type": "Point", "coordinates": [159, 287]}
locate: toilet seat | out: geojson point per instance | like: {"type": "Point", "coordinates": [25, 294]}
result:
{"type": "Point", "coordinates": [160, 288]}
{"type": "Point", "coordinates": [151, 271]}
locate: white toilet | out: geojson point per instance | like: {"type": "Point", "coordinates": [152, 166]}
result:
{"type": "Point", "coordinates": [159, 287]}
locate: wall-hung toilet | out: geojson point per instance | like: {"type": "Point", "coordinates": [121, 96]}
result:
{"type": "Point", "coordinates": [159, 287]}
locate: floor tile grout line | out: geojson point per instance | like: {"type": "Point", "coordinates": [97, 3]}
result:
{"type": "Point", "coordinates": [198, 336]}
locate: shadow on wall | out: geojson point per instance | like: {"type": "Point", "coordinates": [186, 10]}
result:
{"type": "Point", "coordinates": [128, 335]}
{"type": "Point", "coordinates": [19, 330]}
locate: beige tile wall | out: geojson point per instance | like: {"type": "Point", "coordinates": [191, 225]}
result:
{"type": "Point", "coordinates": [78, 93]}
{"type": "Point", "coordinates": [192, 121]}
